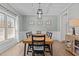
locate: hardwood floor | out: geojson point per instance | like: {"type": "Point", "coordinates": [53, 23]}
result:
{"type": "Point", "coordinates": [58, 50]}
{"type": "Point", "coordinates": [18, 50]}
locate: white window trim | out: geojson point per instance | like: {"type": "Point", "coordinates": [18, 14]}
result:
{"type": "Point", "coordinates": [7, 43]}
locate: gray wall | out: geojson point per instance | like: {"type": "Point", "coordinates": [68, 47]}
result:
{"type": "Point", "coordinates": [47, 23]}
{"type": "Point", "coordinates": [25, 25]}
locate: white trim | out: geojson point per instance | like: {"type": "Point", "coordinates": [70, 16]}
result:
{"type": "Point", "coordinates": [66, 8]}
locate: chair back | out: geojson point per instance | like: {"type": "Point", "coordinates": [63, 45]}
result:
{"type": "Point", "coordinates": [49, 34]}
{"type": "Point", "coordinates": [28, 34]}
{"type": "Point", "coordinates": [38, 42]}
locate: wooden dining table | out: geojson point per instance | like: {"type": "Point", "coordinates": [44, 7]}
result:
{"type": "Point", "coordinates": [47, 41]}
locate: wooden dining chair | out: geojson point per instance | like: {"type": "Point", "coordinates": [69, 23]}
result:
{"type": "Point", "coordinates": [49, 34]}
{"type": "Point", "coordinates": [29, 34]}
{"type": "Point", "coordinates": [38, 45]}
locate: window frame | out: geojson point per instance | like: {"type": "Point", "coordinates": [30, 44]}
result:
{"type": "Point", "coordinates": [6, 44]}
{"type": "Point", "coordinates": [14, 23]}
{"type": "Point", "coordinates": [5, 20]}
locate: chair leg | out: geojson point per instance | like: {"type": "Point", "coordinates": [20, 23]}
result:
{"type": "Point", "coordinates": [24, 49]}
{"type": "Point", "coordinates": [51, 49]}
{"type": "Point", "coordinates": [27, 49]}
{"type": "Point", "coordinates": [43, 53]}
{"type": "Point", "coordinates": [33, 54]}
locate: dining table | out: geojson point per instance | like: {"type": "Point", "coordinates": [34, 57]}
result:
{"type": "Point", "coordinates": [48, 40]}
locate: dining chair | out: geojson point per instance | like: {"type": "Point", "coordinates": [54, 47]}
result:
{"type": "Point", "coordinates": [38, 45]}
{"type": "Point", "coordinates": [29, 34]}
{"type": "Point", "coordinates": [49, 34]}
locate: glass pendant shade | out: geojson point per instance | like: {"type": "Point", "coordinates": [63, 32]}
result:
{"type": "Point", "coordinates": [39, 13]}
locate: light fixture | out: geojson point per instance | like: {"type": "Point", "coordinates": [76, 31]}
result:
{"type": "Point", "coordinates": [39, 12]}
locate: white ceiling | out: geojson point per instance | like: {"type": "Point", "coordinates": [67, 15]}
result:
{"type": "Point", "coordinates": [31, 8]}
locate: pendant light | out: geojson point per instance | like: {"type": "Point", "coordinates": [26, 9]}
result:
{"type": "Point", "coordinates": [39, 12]}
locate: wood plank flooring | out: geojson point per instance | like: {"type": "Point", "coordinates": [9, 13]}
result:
{"type": "Point", "coordinates": [58, 50]}
{"type": "Point", "coordinates": [18, 50]}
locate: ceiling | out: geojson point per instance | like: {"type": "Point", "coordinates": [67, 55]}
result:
{"type": "Point", "coordinates": [31, 8]}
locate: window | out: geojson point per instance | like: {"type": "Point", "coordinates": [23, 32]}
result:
{"type": "Point", "coordinates": [7, 27]}
{"type": "Point", "coordinates": [10, 27]}
{"type": "Point", "coordinates": [2, 27]}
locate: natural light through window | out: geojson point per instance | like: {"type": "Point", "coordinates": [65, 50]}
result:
{"type": "Point", "coordinates": [7, 27]}
{"type": "Point", "coordinates": [2, 27]}
{"type": "Point", "coordinates": [10, 27]}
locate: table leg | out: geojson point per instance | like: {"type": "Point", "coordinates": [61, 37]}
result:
{"type": "Point", "coordinates": [51, 48]}
{"type": "Point", "coordinates": [24, 49]}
